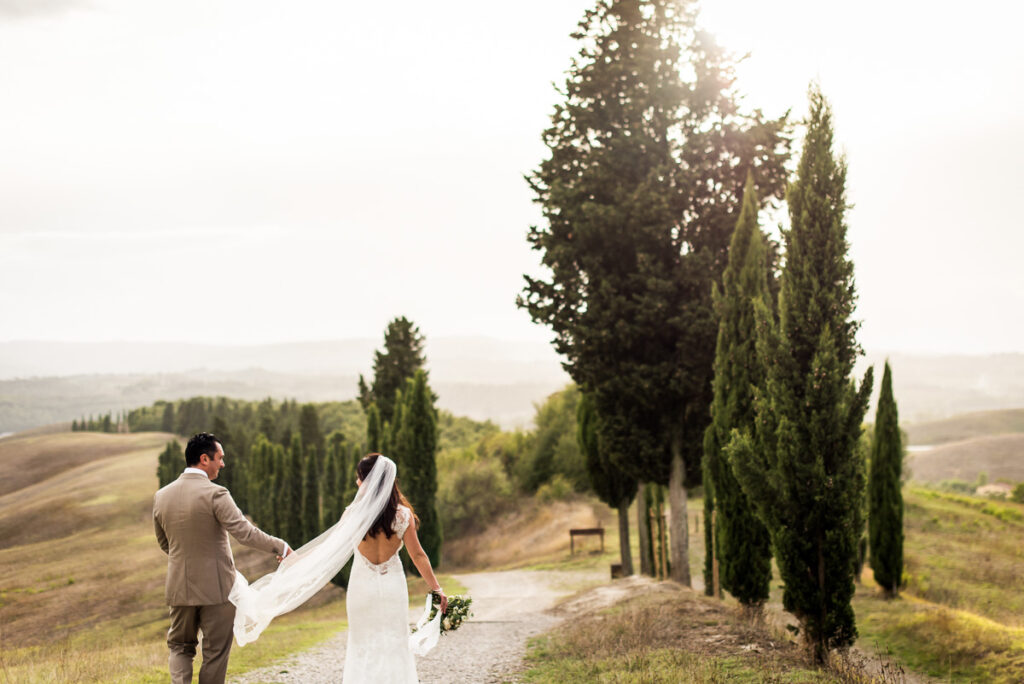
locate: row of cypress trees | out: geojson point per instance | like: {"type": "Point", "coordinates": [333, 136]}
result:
{"type": "Point", "coordinates": [783, 472]}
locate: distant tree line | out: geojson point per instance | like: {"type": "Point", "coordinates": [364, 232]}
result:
{"type": "Point", "coordinates": [102, 423]}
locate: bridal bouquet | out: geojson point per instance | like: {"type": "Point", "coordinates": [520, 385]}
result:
{"type": "Point", "coordinates": [458, 611]}
{"type": "Point", "coordinates": [432, 625]}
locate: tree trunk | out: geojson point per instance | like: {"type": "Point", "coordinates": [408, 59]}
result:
{"type": "Point", "coordinates": [625, 554]}
{"type": "Point", "coordinates": [679, 527]}
{"type": "Point", "coordinates": [644, 530]}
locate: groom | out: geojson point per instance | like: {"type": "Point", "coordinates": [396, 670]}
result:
{"type": "Point", "coordinates": [193, 518]}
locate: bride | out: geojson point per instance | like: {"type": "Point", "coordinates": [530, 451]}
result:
{"type": "Point", "coordinates": [373, 528]}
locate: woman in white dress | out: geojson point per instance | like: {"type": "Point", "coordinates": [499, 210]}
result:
{"type": "Point", "coordinates": [372, 530]}
{"type": "Point", "coordinates": [378, 598]}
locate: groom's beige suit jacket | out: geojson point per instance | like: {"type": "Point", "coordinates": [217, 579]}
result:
{"type": "Point", "coordinates": [193, 518]}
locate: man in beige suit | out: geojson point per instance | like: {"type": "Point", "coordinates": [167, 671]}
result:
{"type": "Point", "coordinates": [193, 518]}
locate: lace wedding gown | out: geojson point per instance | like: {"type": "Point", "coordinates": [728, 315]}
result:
{"type": "Point", "coordinates": [378, 619]}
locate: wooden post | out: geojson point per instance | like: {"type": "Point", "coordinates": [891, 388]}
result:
{"type": "Point", "coordinates": [654, 536]}
{"type": "Point", "coordinates": [664, 554]}
{"type": "Point", "coordinates": [714, 555]}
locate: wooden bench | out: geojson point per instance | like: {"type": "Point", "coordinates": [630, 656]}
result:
{"type": "Point", "coordinates": [583, 532]}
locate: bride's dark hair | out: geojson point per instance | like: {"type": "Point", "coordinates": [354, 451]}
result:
{"type": "Point", "coordinates": [384, 522]}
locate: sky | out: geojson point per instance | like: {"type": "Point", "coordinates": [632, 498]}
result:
{"type": "Point", "coordinates": [231, 172]}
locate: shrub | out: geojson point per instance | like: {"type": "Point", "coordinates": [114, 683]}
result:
{"type": "Point", "coordinates": [1018, 493]}
{"type": "Point", "coordinates": [471, 491]}
{"type": "Point", "coordinates": [556, 489]}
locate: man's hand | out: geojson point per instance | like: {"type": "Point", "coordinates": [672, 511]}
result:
{"type": "Point", "coordinates": [287, 552]}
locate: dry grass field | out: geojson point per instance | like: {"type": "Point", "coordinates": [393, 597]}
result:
{"type": "Point", "coordinates": [81, 575]}
{"type": "Point", "coordinates": [1000, 457]}
{"type": "Point", "coordinates": [966, 426]}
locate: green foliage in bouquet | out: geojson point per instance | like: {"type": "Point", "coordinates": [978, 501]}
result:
{"type": "Point", "coordinates": [458, 611]}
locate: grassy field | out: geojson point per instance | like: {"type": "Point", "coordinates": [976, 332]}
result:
{"type": "Point", "coordinates": [665, 634]}
{"type": "Point", "coordinates": [961, 618]}
{"type": "Point", "coordinates": [82, 577]}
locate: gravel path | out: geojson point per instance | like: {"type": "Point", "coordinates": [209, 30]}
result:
{"type": "Point", "coordinates": [508, 607]}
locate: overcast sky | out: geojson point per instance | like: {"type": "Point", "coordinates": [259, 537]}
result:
{"type": "Point", "coordinates": [252, 171]}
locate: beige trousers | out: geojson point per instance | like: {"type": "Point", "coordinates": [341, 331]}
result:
{"type": "Point", "coordinates": [216, 622]}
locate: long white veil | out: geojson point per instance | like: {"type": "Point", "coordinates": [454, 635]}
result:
{"type": "Point", "coordinates": [305, 571]}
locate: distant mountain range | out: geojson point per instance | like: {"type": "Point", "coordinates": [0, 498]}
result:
{"type": "Point", "coordinates": [479, 377]}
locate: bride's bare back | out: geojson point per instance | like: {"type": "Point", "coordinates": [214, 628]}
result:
{"type": "Point", "coordinates": [379, 548]}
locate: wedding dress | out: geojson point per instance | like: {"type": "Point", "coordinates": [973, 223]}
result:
{"type": "Point", "coordinates": [378, 626]}
{"type": "Point", "coordinates": [378, 600]}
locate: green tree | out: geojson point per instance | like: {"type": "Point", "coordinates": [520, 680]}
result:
{"type": "Point", "coordinates": [614, 487]}
{"type": "Point", "coordinates": [416, 443]}
{"type": "Point", "coordinates": [639, 197]}
{"type": "Point", "coordinates": [167, 421]}
{"type": "Point", "coordinates": [801, 468]}
{"type": "Point", "coordinates": [310, 503]}
{"type": "Point", "coordinates": [743, 545]}
{"type": "Point", "coordinates": [312, 437]}
{"type": "Point", "coordinates": [374, 442]}
{"type": "Point", "coordinates": [170, 463]}
{"type": "Point", "coordinates": [401, 358]}
{"type": "Point", "coordinates": [337, 451]}
{"type": "Point", "coordinates": [885, 495]}
{"type": "Point", "coordinates": [289, 482]}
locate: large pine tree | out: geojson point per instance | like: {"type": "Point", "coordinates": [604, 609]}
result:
{"type": "Point", "coordinates": [885, 495]}
{"type": "Point", "coordinates": [743, 546]}
{"type": "Point", "coordinates": [415, 443]}
{"type": "Point", "coordinates": [612, 485]}
{"type": "Point", "coordinates": [801, 468]}
{"type": "Point", "coordinates": [639, 197]}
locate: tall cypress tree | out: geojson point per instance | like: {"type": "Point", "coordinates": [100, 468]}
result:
{"type": "Point", "coordinates": [310, 514]}
{"type": "Point", "coordinates": [373, 429]}
{"type": "Point", "coordinates": [289, 487]}
{"type": "Point", "coordinates": [167, 422]}
{"type": "Point", "coordinates": [743, 546]}
{"type": "Point", "coordinates": [401, 358]}
{"type": "Point", "coordinates": [416, 441]}
{"type": "Point", "coordinates": [614, 487]}
{"type": "Point", "coordinates": [312, 437]}
{"type": "Point", "coordinates": [885, 496]}
{"type": "Point", "coordinates": [170, 463]}
{"type": "Point", "coordinates": [801, 468]}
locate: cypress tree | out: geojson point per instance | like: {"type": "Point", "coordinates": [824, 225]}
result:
{"type": "Point", "coordinates": [167, 421]}
{"type": "Point", "coordinates": [401, 358]}
{"type": "Point", "coordinates": [416, 440]}
{"type": "Point", "coordinates": [170, 463]}
{"type": "Point", "coordinates": [312, 437]}
{"type": "Point", "coordinates": [801, 467]}
{"type": "Point", "coordinates": [885, 496]}
{"type": "Point", "coordinates": [289, 484]}
{"type": "Point", "coordinates": [614, 487]}
{"type": "Point", "coordinates": [743, 546]}
{"type": "Point", "coordinates": [373, 429]}
{"type": "Point", "coordinates": [310, 514]}
{"type": "Point", "coordinates": [389, 435]}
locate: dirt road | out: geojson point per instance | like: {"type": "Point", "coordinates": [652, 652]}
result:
{"type": "Point", "coordinates": [508, 608]}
